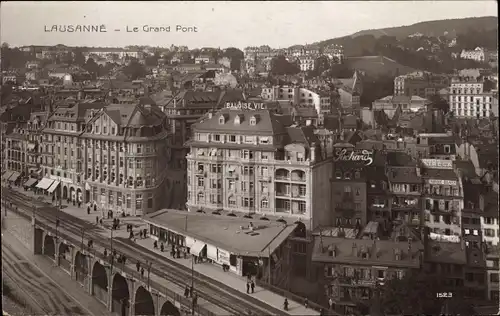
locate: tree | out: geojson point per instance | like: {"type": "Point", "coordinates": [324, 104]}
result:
{"type": "Point", "coordinates": [281, 66]}
{"type": "Point", "coordinates": [416, 293]}
{"type": "Point", "coordinates": [92, 67]}
{"type": "Point", "coordinates": [439, 103]}
{"type": "Point", "coordinates": [135, 70]}
{"type": "Point", "coordinates": [78, 58]}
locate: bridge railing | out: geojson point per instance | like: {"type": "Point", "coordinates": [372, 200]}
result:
{"type": "Point", "coordinates": [131, 273]}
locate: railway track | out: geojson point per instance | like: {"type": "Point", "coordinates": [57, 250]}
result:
{"type": "Point", "coordinates": [211, 291]}
{"type": "Point", "coordinates": [47, 297]}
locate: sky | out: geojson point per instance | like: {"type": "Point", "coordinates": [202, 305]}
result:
{"type": "Point", "coordinates": [218, 24]}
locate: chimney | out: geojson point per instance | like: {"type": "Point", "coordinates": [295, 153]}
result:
{"type": "Point", "coordinates": [313, 152]}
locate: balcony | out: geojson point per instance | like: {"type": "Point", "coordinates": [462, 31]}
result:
{"type": "Point", "coordinates": [281, 178]}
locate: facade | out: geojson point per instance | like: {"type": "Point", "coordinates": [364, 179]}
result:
{"type": "Point", "coordinates": [251, 162]}
{"type": "Point", "coordinates": [348, 186]}
{"type": "Point", "coordinates": [204, 59]}
{"type": "Point", "coordinates": [444, 199]}
{"type": "Point", "coordinates": [492, 258]}
{"type": "Point", "coordinates": [468, 99]}
{"type": "Point", "coordinates": [391, 103]}
{"type": "Point", "coordinates": [306, 63]}
{"type": "Point", "coordinates": [63, 152]}
{"type": "Point", "coordinates": [125, 151]}
{"type": "Point", "coordinates": [348, 271]}
{"type": "Point", "coordinates": [420, 84]}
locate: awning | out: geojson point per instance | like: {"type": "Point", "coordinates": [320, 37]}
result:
{"type": "Point", "coordinates": [30, 182]}
{"type": "Point", "coordinates": [14, 176]}
{"type": "Point", "coordinates": [53, 186]}
{"type": "Point", "coordinates": [197, 248]}
{"type": "Point", "coordinates": [7, 174]}
{"type": "Point", "coordinates": [44, 184]}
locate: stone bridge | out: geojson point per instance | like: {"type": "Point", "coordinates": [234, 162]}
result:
{"type": "Point", "coordinates": [121, 292]}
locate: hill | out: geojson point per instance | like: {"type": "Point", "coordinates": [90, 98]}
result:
{"type": "Point", "coordinates": [375, 66]}
{"type": "Point", "coordinates": [435, 28]}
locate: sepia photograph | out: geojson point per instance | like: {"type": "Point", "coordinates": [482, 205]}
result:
{"type": "Point", "coordinates": [238, 158]}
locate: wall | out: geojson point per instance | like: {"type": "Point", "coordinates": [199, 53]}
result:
{"type": "Point", "coordinates": [19, 227]}
{"type": "Point", "coordinates": [321, 208]}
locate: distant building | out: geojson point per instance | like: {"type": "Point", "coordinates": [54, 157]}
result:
{"type": "Point", "coordinates": [468, 99]}
{"type": "Point", "coordinates": [478, 54]}
{"type": "Point", "coordinates": [420, 84]}
{"type": "Point", "coordinates": [391, 103]}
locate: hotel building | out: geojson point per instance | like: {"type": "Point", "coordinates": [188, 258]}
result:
{"type": "Point", "coordinates": [125, 157]}
{"type": "Point", "coordinates": [251, 162]}
{"type": "Point", "coordinates": [468, 98]}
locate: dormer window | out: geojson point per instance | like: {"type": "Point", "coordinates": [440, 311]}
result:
{"type": "Point", "coordinates": [237, 120]}
{"type": "Point", "coordinates": [222, 120]}
{"type": "Point", "coordinates": [338, 175]}
{"type": "Point", "coordinates": [253, 121]}
{"type": "Point", "coordinates": [347, 175]}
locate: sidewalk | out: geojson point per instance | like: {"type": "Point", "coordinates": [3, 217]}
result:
{"type": "Point", "coordinates": [207, 269]}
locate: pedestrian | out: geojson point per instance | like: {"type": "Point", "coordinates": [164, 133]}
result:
{"type": "Point", "coordinates": [100, 221]}
{"type": "Point", "coordinates": [131, 234]}
{"type": "Point", "coordinates": [79, 204]}
{"type": "Point", "coordinates": [252, 285]}
{"type": "Point", "coordinates": [195, 259]}
{"type": "Point", "coordinates": [88, 209]}
{"type": "Point", "coordinates": [285, 304]}
{"type": "Point", "coordinates": [114, 253]}
{"type": "Point", "coordinates": [330, 303]}
{"type": "Point", "coordinates": [97, 220]}
{"type": "Point", "coordinates": [105, 252]}
{"type": "Point", "coordinates": [186, 292]}
{"type": "Point", "coordinates": [108, 215]}
{"type": "Point", "coordinates": [140, 234]}
{"type": "Point", "coordinates": [306, 303]}
{"type": "Point", "coordinates": [124, 259]}
{"type": "Point", "coordinates": [248, 288]}
{"type": "Point", "coordinates": [95, 207]}
{"type": "Point", "coordinates": [142, 272]}
{"type": "Point", "coordinates": [145, 232]}
{"type": "Point", "coordinates": [184, 250]}
{"type": "Point", "coordinates": [191, 291]}
{"type": "Point", "coordinates": [118, 223]}
{"type": "Point", "coordinates": [195, 299]}
{"type": "Point", "coordinates": [162, 247]}
{"type": "Point", "coordinates": [155, 244]}
{"type": "Point", "coordinates": [74, 202]}
{"type": "Point", "coordinates": [321, 312]}
{"type": "Point", "coordinates": [138, 266]}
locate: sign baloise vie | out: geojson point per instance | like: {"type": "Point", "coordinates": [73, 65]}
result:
{"type": "Point", "coordinates": [245, 106]}
{"type": "Point", "coordinates": [353, 155]}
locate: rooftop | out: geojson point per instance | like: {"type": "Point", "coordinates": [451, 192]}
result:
{"type": "Point", "coordinates": [229, 233]}
{"type": "Point", "coordinates": [446, 252]}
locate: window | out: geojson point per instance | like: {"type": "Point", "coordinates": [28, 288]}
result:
{"type": "Point", "coordinates": [201, 197]}
{"type": "Point", "coordinates": [150, 200]}
{"type": "Point", "coordinates": [111, 198]}
{"type": "Point", "coordinates": [138, 201]}
{"type": "Point", "coordinates": [232, 138]}
{"type": "Point", "coordinates": [118, 199]}
{"type": "Point", "coordinates": [222, 120]}
{"type": "Point", "coordinates": [216, 137]}
{"type": "Point", "coordinates": [232, 201]}
{"type": "Point", "coordinates": [253, 121]}
{"type": "Point", "coordinates": [201, 182]}
{"type": "Point", "coordinates": [139, 148]}
{"type": "Point", "coordinates": [129, 201]}
{"type": "Point", "coordinates": [264, 203]}
{"type": "Point", "coordinates": [248, 202]}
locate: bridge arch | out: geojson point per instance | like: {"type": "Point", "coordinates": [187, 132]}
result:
{"type": "Point", "coordinates": [81, 267]}
{"type": "Point", "coordinates": [120, 295]}
{"type": "Point", "coordinates": [100, 282]}
{"type": "Point", "coordinates": [169, 309]}
{"type": "Point", "coordinates": [144, 304]}
{"type": "Point", "coordinates": [49, 246]}
{"type": "Point", "coordinates": [64, 256]}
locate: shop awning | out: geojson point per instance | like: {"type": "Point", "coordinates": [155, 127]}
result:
{"type": "Point", "coordinates": [14, 176]}
{"type": "Point", "coordinates": [197, 248]}
{"type": "Point", "coordinates": [44, 184]}
{"type": "Point", "coordinates": [7, 175]}
{"type": "Point", "coordinates": [30, 182]}
{"type": "Point", "coordinates": [54, 185]}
